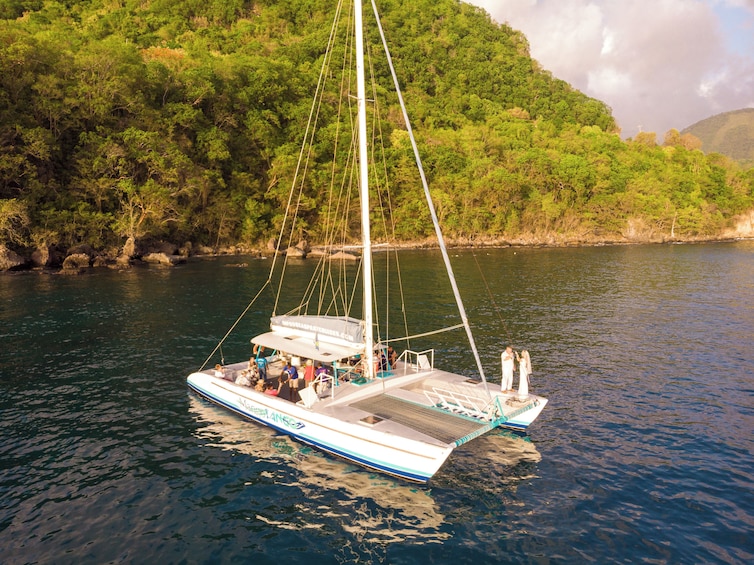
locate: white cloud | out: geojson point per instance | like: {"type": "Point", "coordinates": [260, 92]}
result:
{"type": "Point", "coordinates": [660, 64]}
{"type": "Point", "coordinates": [608, 82]}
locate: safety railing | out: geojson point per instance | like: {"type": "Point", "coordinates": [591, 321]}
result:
{"type": "Point", "coordinates": [418, 360]}
{"type": "Point", "coordinates": [464, 404]}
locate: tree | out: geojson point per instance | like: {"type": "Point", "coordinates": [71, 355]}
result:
{"type": "Point", "coordinates": [14, 222]}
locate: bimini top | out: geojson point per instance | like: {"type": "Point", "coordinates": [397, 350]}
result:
{"type": "Point", "coordinates": [322, 338]}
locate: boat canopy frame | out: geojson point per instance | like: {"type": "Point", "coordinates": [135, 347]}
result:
{"type": "Point", "coordinates": [305, 347]}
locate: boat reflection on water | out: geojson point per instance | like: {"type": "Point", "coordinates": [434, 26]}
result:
{"type": "Point", "coordinates": [507, 457]}
{"type": "Point", "coordinates": [505, 448]}
{"type": "Point", "coordinates": [370, 506]}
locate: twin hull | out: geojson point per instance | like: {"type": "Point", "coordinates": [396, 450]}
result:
{"type": "Point", "coordinates": [399, 456]}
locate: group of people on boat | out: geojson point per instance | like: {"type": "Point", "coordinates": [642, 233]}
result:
{"type": "Point", "coordinates": [293, 375]}
{"type": "Point", "coordinates": [509, 359]}
{"type": "Point", "coordinates": [250, 376]}
{"type": "Point", "coordinates": [385, 360]}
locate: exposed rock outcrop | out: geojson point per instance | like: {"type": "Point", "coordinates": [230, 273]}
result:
{"type": "Point", "coordinates": [100, 261]}
{"type": "Point", "coordinates": [10, 260]}
{"type": "Point", "coordinates": [160, 259]}
{"type": "Point", "coordinates": [129, 248]}
{"type": "Point", "coordinates": [295, 252]}
{"type": "Point", "coordinates": [84, 249]}
{"type": "Point", "coordinates": [122, 262]}
{"type": "Point", "coordinates": [343, 256]}
{"type": "Point", "coordinates": [76, 262]}
{"type": "Point", "coordinates": [40, 257]}
{"type": "Point", "coordinates": [163, 259]}
{"type": "Point", "coordinates": [186, 249]}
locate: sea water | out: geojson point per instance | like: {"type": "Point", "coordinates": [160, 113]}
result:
{"type": "Point", "coordinates": [644, 453]}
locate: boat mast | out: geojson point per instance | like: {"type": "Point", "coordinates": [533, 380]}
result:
{"type": "Point", "coordinates": [364, 192]}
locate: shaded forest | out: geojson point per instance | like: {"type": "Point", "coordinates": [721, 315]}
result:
{"type": "Point", "coordinates": [181, 121]}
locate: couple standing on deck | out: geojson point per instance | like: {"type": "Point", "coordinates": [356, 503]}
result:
{"type": "Point", "coordinates": [524, 364]}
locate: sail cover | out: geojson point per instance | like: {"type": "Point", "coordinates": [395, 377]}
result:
{"type": "Point", "coordinates": [322, 338]}
{"type": "Point", "coordinates": [330, 329]}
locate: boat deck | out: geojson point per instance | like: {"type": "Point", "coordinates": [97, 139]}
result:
{"type": "Point", "coordinates": [443, 426]}
{"type": "Point", "coordinates": [432, 405]}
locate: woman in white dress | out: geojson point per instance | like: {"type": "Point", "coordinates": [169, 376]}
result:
{"type": "Point", "coordinates": [524, 365]}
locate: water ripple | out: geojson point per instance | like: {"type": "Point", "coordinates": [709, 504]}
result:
{"type": "Point", "coordinates": [644, 453]}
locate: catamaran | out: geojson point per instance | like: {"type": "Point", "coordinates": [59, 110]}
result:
{"type": "Point", "coordinates": [400, 414]}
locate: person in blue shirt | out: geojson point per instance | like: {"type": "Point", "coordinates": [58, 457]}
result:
{"type": "Point", "coordinates": [293, 383]}
{"type": "Point", "coordinates": [262, 366]}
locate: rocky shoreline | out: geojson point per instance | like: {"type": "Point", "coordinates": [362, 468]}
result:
{"type": "Point", "coordinates": [81, 258]}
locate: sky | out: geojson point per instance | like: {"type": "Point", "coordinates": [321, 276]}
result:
{"type": "Point", "coordinates": [658, 64]}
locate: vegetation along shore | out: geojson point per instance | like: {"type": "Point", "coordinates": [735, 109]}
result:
{"type": "Point", "coordinates": [129, 129]}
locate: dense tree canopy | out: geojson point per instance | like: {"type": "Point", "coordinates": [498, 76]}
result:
{"type": "Point", "coordinates": [182, 120]}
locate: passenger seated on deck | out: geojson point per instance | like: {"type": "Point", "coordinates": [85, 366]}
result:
{"type": "Point", "coordinates": [269, 389]}
{"type": "Point", "coordinates": [392, 356]}
{"type": "Point", "coordinates": [221, 373]}
{"type": "Point", "coordinates": [383, 364]}
{"type": "Point", "coordinates": [261, 386]}
{"type": "Point", "coordinates": [284, 388]}
{"type": "Point", "coordinates": [253, 370]}
{"type": "Point", "coordinates": [243, 379]}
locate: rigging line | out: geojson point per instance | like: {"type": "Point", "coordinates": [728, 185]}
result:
{"type": "Point", "coordinates": [380, 185]}
{"type": "Point", "coordinates": [433, 213]}
{"type": "Point", "coordinates": [376, 185]}
{"type": "Point", "coordinates": [334, 287]}
{"type": "Point", "coordinates": [311, 120]}
{"type": "Point", "coordinates": [492, 298]}
{"type": "Point", "coordinates": [331, 225]}
{"type": "Point", "coordinates": [354, 288]}
{"type": "Point", "coordinates": [389, 232]}
{"type": "Point", "coordinates": [347, 183]}
{"type": "Point", "coordinates": [316, 104]}
{"type": "Point", "coordinates": [425, 334]}
{"type": "Point", "coordinates": [339, 212]}
{"type": "Point", "coordinates": [316, 285]}
{"type": "Point", "coordinates": [400, 291]}
{"type": "Point", "coordinates": [233, 327]}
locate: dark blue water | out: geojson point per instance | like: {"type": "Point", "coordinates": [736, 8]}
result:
{"type": "Point", "coordinates": [644, 454]}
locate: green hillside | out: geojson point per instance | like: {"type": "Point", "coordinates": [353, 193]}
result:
{"type": "Point", "coordinates": [181, 120]}
{"type": "Point", "coordinates": [729, 133]}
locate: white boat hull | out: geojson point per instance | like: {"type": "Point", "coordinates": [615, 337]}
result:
{"type": "Point", "coordinates": [522, 422]}
{"type": "Point", "coordinates": [398, 456]}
